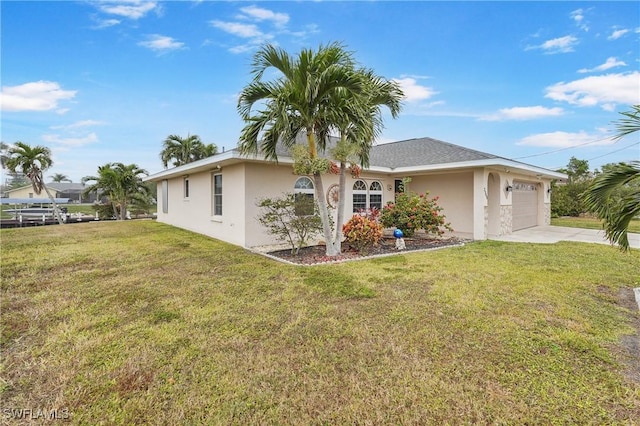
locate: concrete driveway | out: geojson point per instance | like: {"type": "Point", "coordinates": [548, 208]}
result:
{"type": "Point", "coordinates": [553, 234]}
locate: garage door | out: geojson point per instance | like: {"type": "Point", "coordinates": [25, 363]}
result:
{"type": "Point", "coordinates": [525, 205]}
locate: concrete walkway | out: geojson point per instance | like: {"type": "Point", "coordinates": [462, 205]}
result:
{"type": "Point", "coordinates": [553, 234]}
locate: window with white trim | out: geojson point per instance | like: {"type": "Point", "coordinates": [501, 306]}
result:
{"type": "Point", "coordinates": [165, 196]}
{"type": "Point", "coordinates": [359, 196]}
{"type": "Point", "coordinates": [185, 186]}
{"type": "Point", "coordinates": [304, 188]}
{"type": "Point", "coordinates": [375, 195]}
{"type": "Point", "coordinates": [365, 196]}
{"type": "Point", "coordinates": [216, 207]}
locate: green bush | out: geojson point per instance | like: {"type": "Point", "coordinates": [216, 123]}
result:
{"type": "Point", "coordinates": [282, 219]}
{"type": "Point", "coordinates": [363, 231]}
{"type": "Point", "coordinates": [412, 212]}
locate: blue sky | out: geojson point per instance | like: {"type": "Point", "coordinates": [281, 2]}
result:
{"type": "Point", "coordinates": [105, 81]}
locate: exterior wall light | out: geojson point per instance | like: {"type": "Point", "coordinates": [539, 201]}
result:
{"type": "Point", "coordinates": [508, 188]}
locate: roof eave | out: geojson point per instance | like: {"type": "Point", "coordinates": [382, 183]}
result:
{"type": "Point", "coordinates": [508, 165]}
{"type": "Point", "coordinates": [214, 163]}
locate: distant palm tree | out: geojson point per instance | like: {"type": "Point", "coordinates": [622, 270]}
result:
{"type": "Point", "coordinates": [185, 150]}
{"type": "Point", "coordinates": [4, 154]}
{"type": "Point", "coordinates": [59, 177]}
{"type": "Point", "coordinates": [33, 161]}
{"type": "Point", "coordinates": [121, 183]}
{"type": "Point", "coordinates": [617, 214]}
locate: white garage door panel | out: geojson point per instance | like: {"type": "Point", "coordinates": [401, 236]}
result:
{"type": "Point", "coordinates": [525, 205]}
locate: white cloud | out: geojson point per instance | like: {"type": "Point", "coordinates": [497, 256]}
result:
{"type": "Point", "coordinates": [36, 96]}
{"type": "Point", "coordinates": [413, 91]}
{"type": "Point", "coordinates": [132, 9]}
{"type": "Point", "coordinates": [523, 113]}
{"type": "Point", "coordinates": [611, 62]}
{"type": "Point", "coordinates": [161, 43]}
{"type": "Point", "coordinates": [617, 34]}
{"type": "Point", "coordinates": [257, 25]}
{"type": "Point", "coordinates": [71, 141]}
{"type": "Point", "coordinates": [557, 45]}
{"type": "Point", "coordinates": [565, 139]}
{"type": "Point", "coordinates": [260, 14]}
{"type": "Point", "coordinates": [106, 23]}
{"type": "Point", "coordinates": [79, 124]}
{"type": "Point", "coordinates": [238, 29]}
{"type": "Point", "coordinates": [604, 90]}
{"type": "Point", "coordinates": [578, 16]}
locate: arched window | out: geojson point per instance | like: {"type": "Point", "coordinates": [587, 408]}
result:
{"type": "Point", "coordinates": [366, 197]}
{"type": "Point", "coordinates": [359, 196]}
{"type": "Point", "coordinates": [375, 195]}
{"type": "Point", "coordinates": [304, 193]}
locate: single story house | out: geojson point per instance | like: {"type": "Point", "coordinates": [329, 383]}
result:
{"type": "Point", "coordinates": [70, 190]}
{"type": "Point", "coordinates": [482, 195]}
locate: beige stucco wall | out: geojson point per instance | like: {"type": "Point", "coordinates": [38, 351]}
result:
{"type": "Point", "coordinates": [464, 196]}
{"type": "Point", "coordinates": [195, 213]}
{"type": "Point", "coordinates": [27, 192]}
{"type": "Point", "coordinates": [456, 197]}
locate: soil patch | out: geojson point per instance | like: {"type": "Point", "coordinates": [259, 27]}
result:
{"type": "Point", "coordinates": [387, 246]}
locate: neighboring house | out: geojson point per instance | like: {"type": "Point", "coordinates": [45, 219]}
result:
{"type": "Point", "coordinates": [482, 194]}
{"type": "Point", "coordinates": [72, 191]}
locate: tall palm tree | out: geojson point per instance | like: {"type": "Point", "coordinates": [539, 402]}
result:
{"type": "Point", "coordinates": [121, 183]}
{"type": "Point", "coordinates": [185, 150]}
{"type": "Point", "coordinates": [59, 177]}
{"type": "Point", "coordinates": [617, 214]}
{"type": "Point", "coordinates": [298, 102]}
{"type": "Point", "coordinates": [358, 120]}
{"type": "Point", "coordinates": [33, 161]}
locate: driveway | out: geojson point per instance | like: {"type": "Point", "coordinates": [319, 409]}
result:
{"type": "Point", "coordinates": [553, 234]}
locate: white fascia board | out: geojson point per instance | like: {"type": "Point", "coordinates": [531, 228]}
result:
{"type": "Point", "coordinates": [208, 163]}
{"type": "Point", "coordinates": [508, 165]}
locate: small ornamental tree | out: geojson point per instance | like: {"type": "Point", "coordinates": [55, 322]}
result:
{"type": "Point", "coordinates": [281, 219]}
{"type": "Point", "coordinates": [363, 231]}
{"type": "Point", "coordinates": [412, 212]}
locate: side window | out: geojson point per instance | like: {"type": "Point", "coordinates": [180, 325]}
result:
{"type": "Point", "coordinates": [359, 196]}
{"type": "Point", "coordinates": [217, 195]}
{"type": "Point", "coordinates": [185, 185]}
{"type": "Point", "coordinates": [375, 195]}
{"type": "Point", "coordinates": [165, 196]}
{"type": "Point", "coordinates": [304, 190]}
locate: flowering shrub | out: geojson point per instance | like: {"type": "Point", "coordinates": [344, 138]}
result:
{"type": "Point", "coordinates": [412, 212]}
{"type": "Point", "coordinates": [362, 232]}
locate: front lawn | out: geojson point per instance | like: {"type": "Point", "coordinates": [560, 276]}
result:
{"type": "Point", "coordinates": [589, 223]}
{"type": "Point", "coordinates": [141, 323]}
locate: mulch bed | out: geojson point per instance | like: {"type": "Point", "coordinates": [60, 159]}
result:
{"type": "Point", "coordinates": [316, 254]}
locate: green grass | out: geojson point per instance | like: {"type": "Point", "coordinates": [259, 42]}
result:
{"type": "Point", "coordinates": [141, 323]}
{"type": "Point", "coordinates": [589, 223]}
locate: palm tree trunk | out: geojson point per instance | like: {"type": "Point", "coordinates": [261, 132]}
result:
{"type": "Point", "coordinates": [337, 243]}
{"type": "Point", "coordinates": [324, 215]}
{"type": "Point", "coordinates": [56, 212]}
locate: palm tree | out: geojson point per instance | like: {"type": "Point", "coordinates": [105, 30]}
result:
{"type": "Point", "coordinates": [298, 102]}
{"type": "Point", "coordinates": [33, 161]}
{"type": "Point", "coordinates": [359, 122]}
{"type": "Point", "coordinates": [185, 150]}
{"type": "Point", "coordinates": [617, 214]}
{"type": "Point", "coordinates": [121, 183]}
{"type": "Point", "coordinates": [59, 177]}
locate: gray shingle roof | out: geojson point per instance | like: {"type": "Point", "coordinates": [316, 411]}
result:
{"type": "Point", "coordinates": [422, 152]}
